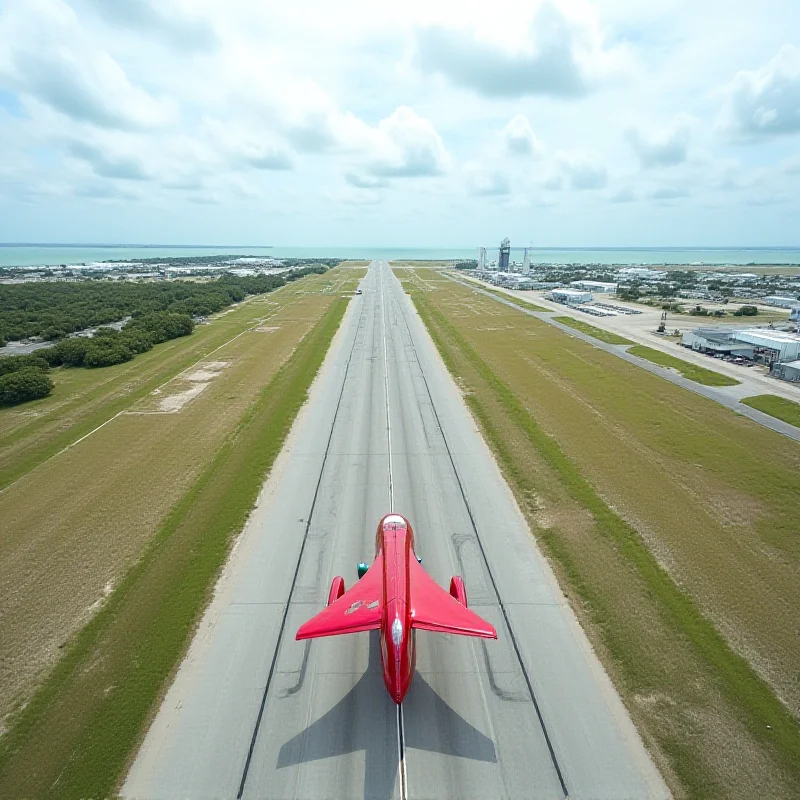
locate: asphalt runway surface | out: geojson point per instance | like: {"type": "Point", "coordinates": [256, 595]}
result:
{"type": "Point", "coordinates": [252, 713]}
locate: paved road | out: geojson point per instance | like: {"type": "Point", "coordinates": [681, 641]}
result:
{"type": "Point", "coordinates": [728, 396]}
{"type": "Point", "coordinates": [253, 713]}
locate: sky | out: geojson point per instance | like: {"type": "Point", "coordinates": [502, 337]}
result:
{"type": "Point", "coordinates": [426, 123]}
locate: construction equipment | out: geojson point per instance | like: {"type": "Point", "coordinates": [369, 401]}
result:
{"type": "Point", "coordinates": [662, 328]}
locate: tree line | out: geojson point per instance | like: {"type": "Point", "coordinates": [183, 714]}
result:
{"type": "Point", "coordinates": [25, 377]}
{"type": "Point", "coordinates": [54, 310]}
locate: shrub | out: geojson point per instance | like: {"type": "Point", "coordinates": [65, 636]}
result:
{"type": "Point", "coordinates": [10, 364]}
{"type": "Point", "coordinates": [30, 383]}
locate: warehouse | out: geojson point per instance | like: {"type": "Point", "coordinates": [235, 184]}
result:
{"type": "Point", "coordinates": [571, 297]}
{"type": "Point", "coordinates": [716, 341]}
{"type": "Point", "coordinates": [770, 346]}
{"type": "Point", "coordinates": [757, 344]}
{"type": "Point", "coordinates": [595, 286]}
{"type": "Point", "coordinates": [787, 372]}
{"type": "Point", "coordinates": [781, 302]}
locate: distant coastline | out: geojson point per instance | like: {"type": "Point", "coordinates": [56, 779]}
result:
{"type": "Point", "coordinates": [52, 254]}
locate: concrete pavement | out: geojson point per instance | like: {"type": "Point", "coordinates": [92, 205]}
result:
{"type": "Point", "coordinates": [253, 713]}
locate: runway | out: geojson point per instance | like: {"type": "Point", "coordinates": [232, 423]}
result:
{"type": "Point", "coordinates": [254, 714]}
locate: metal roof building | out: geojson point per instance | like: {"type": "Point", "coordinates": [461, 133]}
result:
{"type": "Point", "coordinates": [571, 297]}
{"type": "Point", "coordinates": [789, 371]}
{"type": "Point", "coordinates": [781, 302]}
{"type": "Point", "coordinates": [714, 340]}
{"type": "Point", "coordinates": [595, 286]}
{"type": "Point", "coordinates": [773, 345]}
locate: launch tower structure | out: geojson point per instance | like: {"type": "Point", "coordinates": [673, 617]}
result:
{"type": "Point", "coordinates": [505, 255]}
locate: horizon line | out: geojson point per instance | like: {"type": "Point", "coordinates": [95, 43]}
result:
{"type": "Point", "coordinates": [391, 247]}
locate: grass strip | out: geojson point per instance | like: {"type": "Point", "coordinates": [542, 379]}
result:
{"type": "Point", "coordinates": [604, 336]}
{"type": "Point", "coordinates": [512, 298]}
{"type": "Point", "coordinates": [142, 375]}
{"type": "Point", "coordinates": [691, 371]}
{"type": "Point", "coordinates": [778, 407]}
{"type": "Point", "coordinates": [765, 717]}
{"type": "Point", "coordinates": [78, 733]}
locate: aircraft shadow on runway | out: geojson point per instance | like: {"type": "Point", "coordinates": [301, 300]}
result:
{"type": "Point", "coordinates": [365, 719]}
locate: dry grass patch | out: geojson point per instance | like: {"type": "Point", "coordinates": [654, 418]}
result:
{"type": "Point", "coordinates": [79, 521]}
{"type": "Point", "coordinates": [85, 398]}
{"type": "Point", "coordinates": [75, 736]}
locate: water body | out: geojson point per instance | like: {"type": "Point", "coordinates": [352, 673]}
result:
{"type": "Point", "coordinates": [53, 255]}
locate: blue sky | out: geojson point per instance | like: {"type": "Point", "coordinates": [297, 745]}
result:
{"type": "Point", "coordinates": [426, 123]}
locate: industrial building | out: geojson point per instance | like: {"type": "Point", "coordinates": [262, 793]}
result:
{"type": "Point", "coordinates": [595, 286]}
{"type": "Point", "coordinates": [781, 302]}
{"type": "Point", "coordinates": [722, 342]}
{"type": "Point", "coordinates": [757, 344]}
{"type": "Point", "coordinates": [787, 372]}
{"type": "Point", "coordinates": [571, 297]}
{"type": "Point", "coordinates": [772, 346]}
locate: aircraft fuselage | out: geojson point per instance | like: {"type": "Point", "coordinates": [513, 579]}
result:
{"type": "Point", "coordinates": [395, 539]}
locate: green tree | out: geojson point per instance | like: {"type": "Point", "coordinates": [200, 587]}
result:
{"type": "Point", "coordinates": [30, 383]}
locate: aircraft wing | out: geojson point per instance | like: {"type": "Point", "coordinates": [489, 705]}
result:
{"type": "Point", "coordinates": [435, 610]}
{"type": "Point", "coordinates": [358, 609]}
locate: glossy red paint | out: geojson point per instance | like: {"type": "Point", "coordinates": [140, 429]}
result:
{"type": "Point", "coordinates": [397, 597]}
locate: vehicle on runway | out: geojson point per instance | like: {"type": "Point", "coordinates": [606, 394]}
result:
{"type": "Point", "coordinates": [396, 596]}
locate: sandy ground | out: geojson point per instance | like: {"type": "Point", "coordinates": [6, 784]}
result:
{"type": "Point", "coordinates": [640, 328]}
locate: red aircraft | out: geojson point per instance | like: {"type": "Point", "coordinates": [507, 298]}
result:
{"type": "Point", "coordinates": [398, 597]}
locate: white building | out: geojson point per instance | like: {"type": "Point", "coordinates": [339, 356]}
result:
{"type": "Point", "coordinates": [635, 272]}
{"type": "Point", "coordinates": [781, 302]}
{"type": "Point", "coordinates": [595, 286]}
{"type": "Point", "coordinates": [571, 297]}
{"type": "Point", "coordinates": [772, 345]}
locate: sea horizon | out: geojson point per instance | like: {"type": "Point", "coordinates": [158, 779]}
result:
{"type": "Point", "coordinates": [24, 254]}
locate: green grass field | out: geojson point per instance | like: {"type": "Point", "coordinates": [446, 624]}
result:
{"type": "Point", "coordinates": [691, 371]}
{"type": "Point", "coordinates": [77, 733]}
{"type": "Point", "coordinates": [515, 299]}
{"type": "Point", "coordinates": [778, 407]}
{"type": "Point", "coordinates": [604, 336]}
{"type": "Point", "coordinates": [83, 399]}
{"type": "Point", "coordinates": [665, 515]}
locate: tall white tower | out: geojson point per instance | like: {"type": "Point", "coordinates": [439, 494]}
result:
{"type": "Point", "coordinates": [481, 258]}
{"type": "Point", "coordinates": [526, 263]}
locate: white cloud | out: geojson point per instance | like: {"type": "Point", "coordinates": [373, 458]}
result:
{"type": "Point", "coordinates": [665, 149]}
{"type": "Point", "coordinates": [668, 193]}
{"type": "Point", "coordinates": [765, 102]}
{"type": "Point", "coordinates": [560, 54]}
{"type": "Point", "coordinates": [624, 196]}
{"type": "Point", "coordinates": [365, 181]}
{"type": "Point", "coordinates": [791, 166]}
{"type": "Point", "coordinates": [519, 138]}
{"type": "Point", "coordinates": [107, 164]}
{"type": "Point", "coordinates": [46, 56]}
{"type": "Point", "coordinates": [164, 20]}
{"type": "Point", "coordinates": [245, 148]}
{"type": "Point", "coordinates": [487, 182]}
{"type": "Point", "coordinates": [405, 145]}
{"type": "Point", "coordinates": [333, 114]}
{"type": "Point", "coordinates": [583, 170]}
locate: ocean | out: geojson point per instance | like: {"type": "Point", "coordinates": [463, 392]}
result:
{"type": "Point", "coordinates": [54, 254]}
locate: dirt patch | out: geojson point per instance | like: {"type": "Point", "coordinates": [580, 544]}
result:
{"type": "Point", "coordinates": [181, 390]}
